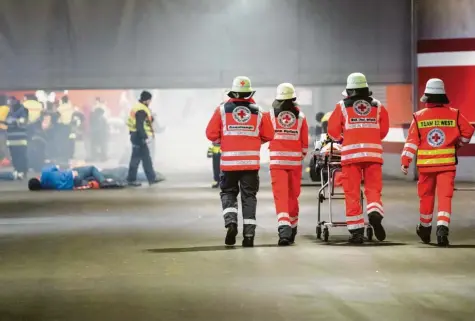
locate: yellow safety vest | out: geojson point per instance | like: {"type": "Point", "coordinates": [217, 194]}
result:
{"type": "Point", "coordinates": [34, 110]}
{"type": "Point", "coordinates": [216, 149]}
{"type": "Point", "coordinates": [326, 117]}
{"type": "Point", "coordinates": [132, 124]}
{"type": "Point", "coordinates": [65, 113]}
{"type": "Point", "coordinates": [3, 117]}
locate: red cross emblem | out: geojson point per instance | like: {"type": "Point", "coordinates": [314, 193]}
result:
{"type": "Point", "coordinates": [362, 108]}
{"type": "Point", "coordinates": [241, 113]}
{"type": "Point", "coordinates": [436, 137]}
{"type": "Point", "coordinates": [242, 83]}
{"type": "Point", "coordinates": [287, 118]}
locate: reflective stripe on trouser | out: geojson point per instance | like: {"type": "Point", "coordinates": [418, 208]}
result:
{"type": "Point", "coordinates": [375, 207]}
{"type": "Point", "coordinates": [286, 190]}
{"type": "Point", "coordinates": [427, 185]}
{"type": "Point", "coordinates": [247, 183]}
{"type": "Point", "coordinates": [20, 142]}
{"type": "Point", "coordinates": [351, 177]}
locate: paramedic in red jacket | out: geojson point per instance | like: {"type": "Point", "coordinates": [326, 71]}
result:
{"type": "Point", "coordinates": [241, 127]}
{"type": "Point", "coordinates": [435, 134]}
{"type": "Point", "coordinates": [364, 123]}
{"type": "Point", "coordinates": [287, 150]}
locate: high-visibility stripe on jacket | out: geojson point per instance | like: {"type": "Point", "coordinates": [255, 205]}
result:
{"type": "Point", "coordinates": [290, 144]}
{"type": "Point", "coordinates": [434, 135]}
{"type": "Point", "coordinates": [240, 126]}
{"type": "Point", "coordinates": [363, 122]}
{"type": "Point", "coordinates": [132, 122]}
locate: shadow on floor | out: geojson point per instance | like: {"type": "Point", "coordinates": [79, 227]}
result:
{"type": "Point", "coordinates": [343, 241]}
{"type": "Point", "coordinates": [212, 248]}
{"type": "Point", "coordinates": [454, 246]}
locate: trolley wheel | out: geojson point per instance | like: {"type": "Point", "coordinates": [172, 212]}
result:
{"type": "Point", "coordinates": [326, 234]}
{"type": "Point", "coordinates": [321, 198]}
{"type": "Point", "coordinates": [369, 233]}
{"type": "Point", "coordinates": [319, 232]}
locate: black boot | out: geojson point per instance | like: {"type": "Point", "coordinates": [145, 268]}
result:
{"type": "Point", "coordinates": [285, 233]}
{"type": "Point", "coordinates": [424, 233]}
{"type": "Point", "coordinates": [294, 233]}
{"type": "Point", "coordinates": [357, 236]}
{"type": "Point", "coordinates": [284, 241]}
{"type": "Point", "coordinates": [442, 236]}
{"type": "Point", "coordinates": [375, 221]}
{"type": "Point", "coordinates": [134, 184]}
{"type": "Point", "coordinates": [231, 234]}
{"type": "Point", "coordinates": [248, 241]}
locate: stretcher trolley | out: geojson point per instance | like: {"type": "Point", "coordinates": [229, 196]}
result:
{"type": "Point", "coordinates": [328, 160]}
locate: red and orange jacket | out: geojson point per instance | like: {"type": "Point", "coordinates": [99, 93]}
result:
{"type": "Point", "coordinates": [435, 134]}
{"type": "Point", "coordinates": [290, 144]}
{"type": "Point", "coordinates": [364, 123]}
{"type": "Point", "coordinates": [240, 126]}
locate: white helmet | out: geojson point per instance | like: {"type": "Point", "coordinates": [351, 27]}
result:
{"type": "Point", "coordinates": [242, 84]}
{"type": "Point", "coordinates": [285, 91]}
{"type": "Point", "coordinates": [355, 80]}
{"type": "Point", "coordinates": [434, 86]}
{"type": "Point", "coordinates": [41, 95]}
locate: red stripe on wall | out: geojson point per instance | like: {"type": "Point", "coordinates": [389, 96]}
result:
{"type": "Point", "coordinates": [459, 84]}
{"type": "Point", "coordinates": [445, 45]}
{"type": "Point", "coordinates": [396, 148]}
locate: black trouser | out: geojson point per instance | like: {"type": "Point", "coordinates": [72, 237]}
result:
{"type": "Point", "coordinates": [141, 152]}
{"type": "Point", "coordinates": [19, 158]}
{"type": "Point", "coordinates": [216, 166]}
{"type": "Point", "coordinates": [246, 182]}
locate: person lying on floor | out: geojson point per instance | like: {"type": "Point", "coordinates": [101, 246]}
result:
{"type": "Point", "coordinates": [53, 178]}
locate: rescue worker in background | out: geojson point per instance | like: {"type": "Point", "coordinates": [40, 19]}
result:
{"type": "Point", "coordinates": [50, 126]}
{"type": "Point", "coordinates": [4, 109]}
{"type": "Point", "coordinates": [35, 110]}
{"type": "Point", "coordinates": [363, 122]}
{"type": "Point", "coordinates": [240, 126]}
{"type": "Point", "coordinates": [99, 132]}
{"type": "Point", "coordinates": [287, 150]}
{"type": "Point", "coordinates": [318, 126]}
{"type": "Point", "coordinates": [141, 133]}
{"type": "Point", "coordinates": [325, 119]}
{"type": "Point", "coordinates": [36, 141]}
{"type": "Point", "coordinates": [17, 137]}
{"type": "Point", "coordinates": [436, 133]}
{"type": "Point", "coordinates": [66, 136]}
{"type": "Point", "coordinates": [214, 152]}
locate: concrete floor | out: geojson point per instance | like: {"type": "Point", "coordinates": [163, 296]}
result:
{"type": "Point", "coordinates": [95, 255]}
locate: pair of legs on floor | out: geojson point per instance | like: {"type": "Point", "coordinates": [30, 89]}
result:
{"type": "Point", "coordinates": [427, 186]}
